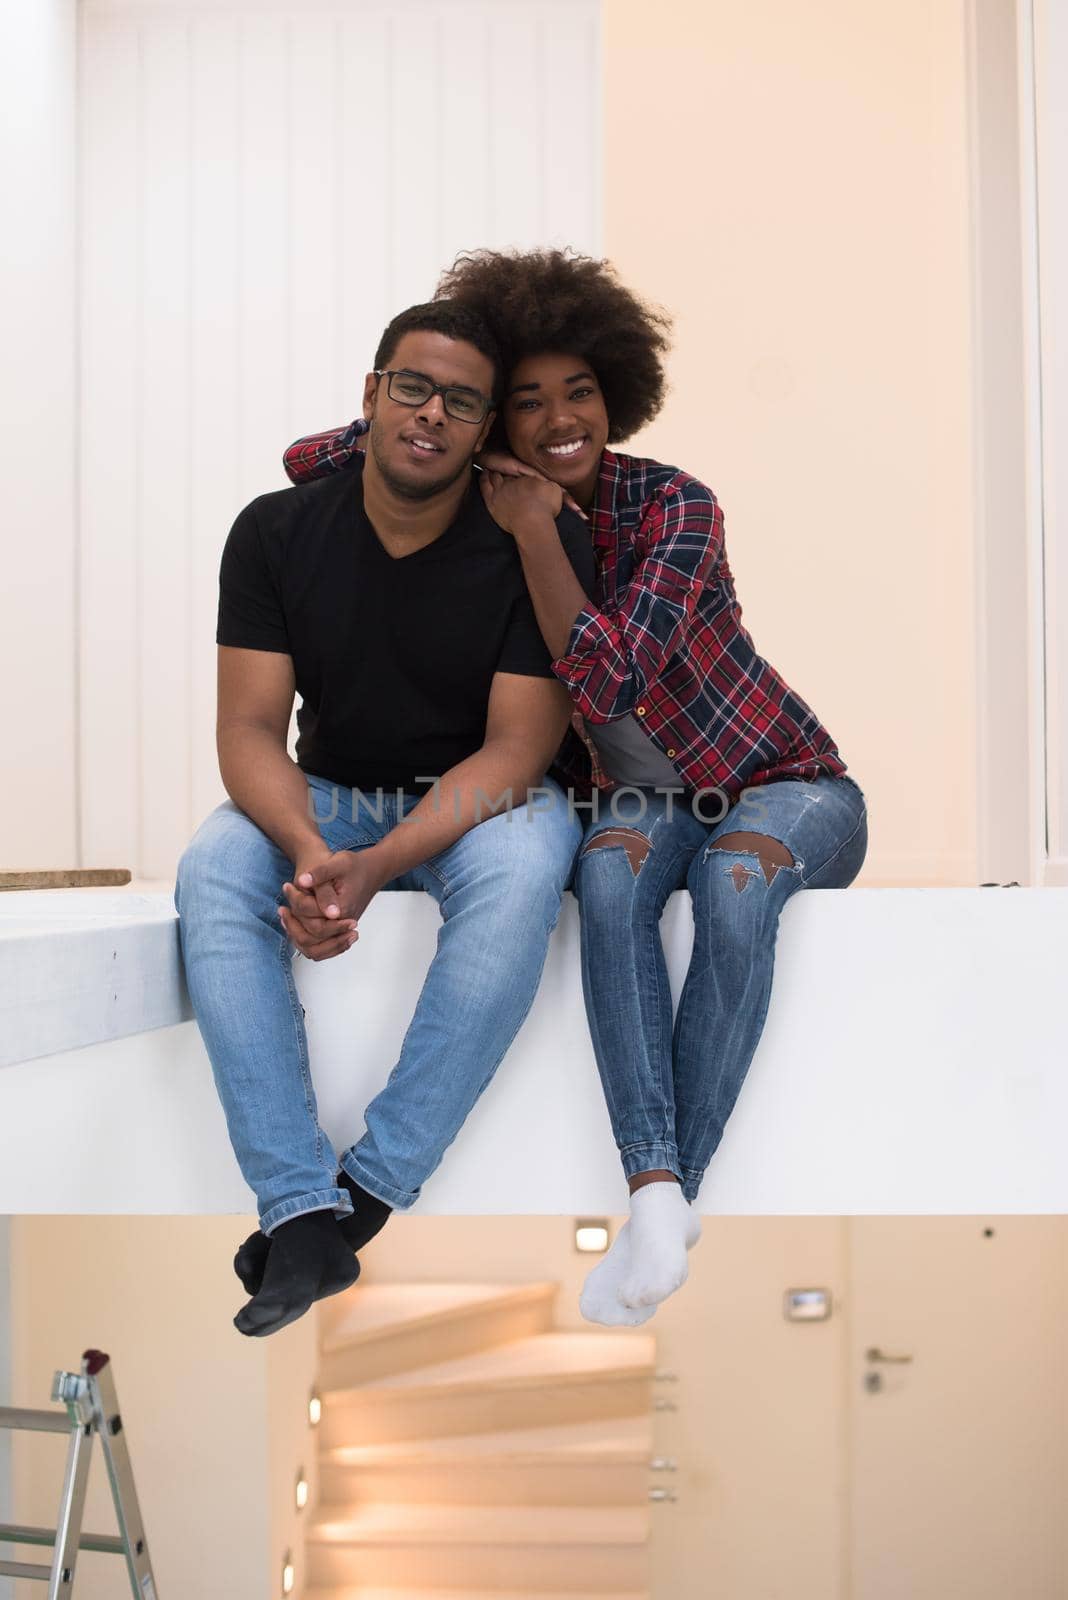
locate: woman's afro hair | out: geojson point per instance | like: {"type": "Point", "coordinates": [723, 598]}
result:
{"type": "Point", "coordinates": [537, 301]}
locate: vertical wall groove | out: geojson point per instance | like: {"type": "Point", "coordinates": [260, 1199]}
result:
{"type": "Point", "coordinates": [188, 598]}
{"type": "Point", "coordinates": [139, 443]}
{"type": "Point", "coordinates": [76, 441]}
{"type": "Point", "coordinates": [339, 400]}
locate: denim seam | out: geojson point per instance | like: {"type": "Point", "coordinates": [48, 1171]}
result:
{"type": "Point", "coordinates": [664, 1153]}
{"type": "Point", "coordinates": [835, 854]}
{"type": "Point", "coordinates": [361, 841]}
{"type": "Point", "coordinates": [667, 862]}
{"type": "Point", "coordinates": [436, 872]}
{"type": "Point", "coordinates": [364, 1186]}
{"type": "Point", "coordinates": [615, 1110]}
{"type": "Point", "coordinates": [396, 1199]}
{"type": "Point", "coordinates": [647, 1144]}
{"type": "Point", "coordinates": [302, 1053]}
{"type": "Point", "coordinates": [705, 1123]}
{"type": "Point", "coordinates": [669, 1086]}
{"type": "Point", "coordinates": [287, 1210]}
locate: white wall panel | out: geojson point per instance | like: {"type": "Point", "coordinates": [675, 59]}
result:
{"type": "Point", "coordinates": [38, 788]}
{"type": "Point", "coordinates": [467, 125]}
{"type": "Point", "coordinates": [315, 154]}
{"type": "Point", "coordinates": [112, 414]}
{"type": "Point", "coordinates": [164, 548]}
{"type": "Point", "coordinates": [263, 187]}
{"type": "Point", "coordinates": [420, 145]}
{"type": "Point", "coordinates": [215, 388]}
{"type": "Point", "coordinates": [264, 247]}
{"type": "Point", "coordinates": [365, 202]}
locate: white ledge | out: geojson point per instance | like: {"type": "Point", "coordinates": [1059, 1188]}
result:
{"type": "Point", "coordinates": [913, 1062]}
{"type": "Point", "coordinates": [83, 966]}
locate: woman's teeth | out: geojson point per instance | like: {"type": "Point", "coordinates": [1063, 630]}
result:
{"type": "Point", "coordinates": [565, 449]}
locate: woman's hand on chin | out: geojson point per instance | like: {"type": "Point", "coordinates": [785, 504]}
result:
{"type": "Point", "coordinates": [518, 504]}
{"type": "Point", "coordinates": [499, 464]}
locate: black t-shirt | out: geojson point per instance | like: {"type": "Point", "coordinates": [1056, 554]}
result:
{"type": "Point", "coordinates": [393, 657]}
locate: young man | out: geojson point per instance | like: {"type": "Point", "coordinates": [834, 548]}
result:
{"type": "Point", "coordinates": [392, 603]}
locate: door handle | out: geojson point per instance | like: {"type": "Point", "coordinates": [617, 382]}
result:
{"type": "Point", "coordinates": [875, 1354]}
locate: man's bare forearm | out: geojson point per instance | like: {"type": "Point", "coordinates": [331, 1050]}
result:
{"type": "Point", "coordinates": [268, 786]}
{"type": "Point", "coordinates": [496, 776]}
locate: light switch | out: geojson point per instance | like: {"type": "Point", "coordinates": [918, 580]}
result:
{"type": "Point", "coordinates": [806, 1305]}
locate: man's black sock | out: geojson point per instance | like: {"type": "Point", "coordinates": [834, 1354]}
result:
{"type": "Point", "coordinates": [369, 1216]}
{"type": "Point", "coordinates": [308, 1260]}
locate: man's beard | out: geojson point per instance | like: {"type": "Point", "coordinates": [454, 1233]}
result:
{"type": "Point", "coordinates": [407, 490]}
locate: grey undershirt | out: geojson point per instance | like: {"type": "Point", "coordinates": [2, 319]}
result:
{"type": "Point", "coordinates": [629, 756]}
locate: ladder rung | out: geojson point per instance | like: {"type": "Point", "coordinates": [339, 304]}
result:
{"type": "Point", "coordinates": [20, 1533]}
{"type": "Point", "coordinates": [35, 1421]}
{"type": "Point", "coordinates": [23, 1569]}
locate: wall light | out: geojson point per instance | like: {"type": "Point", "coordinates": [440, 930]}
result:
{"type": "Point", "coordinates": [301, 1490]}
{"type": "Point", "coordinates": [591, 1236]}
{"type": "Point", "coordinates": [315, 1408]}
{"type": "Point", "coordinates": [289, 1577]}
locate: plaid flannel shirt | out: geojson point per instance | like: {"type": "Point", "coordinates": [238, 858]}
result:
{"type": "Point", "coordinates": [663, 639]}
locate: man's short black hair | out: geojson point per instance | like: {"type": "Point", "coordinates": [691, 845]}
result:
{"type": "Point", "coordinates": [453, 320]}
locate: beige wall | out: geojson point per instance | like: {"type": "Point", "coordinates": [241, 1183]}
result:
{"type": "Point", "coordinates": [292, 1366]}
{"type": "Point", "coordinates": [792, 182]}
{"type": "Point", "coordinates": [217, 1423]}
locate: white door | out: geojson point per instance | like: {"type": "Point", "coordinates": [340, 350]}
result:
{"type": "Point", "coordinates": [956, 1408]}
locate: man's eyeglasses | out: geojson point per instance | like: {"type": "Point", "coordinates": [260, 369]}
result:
{"type": "Point", "coordinates": [415, 389]}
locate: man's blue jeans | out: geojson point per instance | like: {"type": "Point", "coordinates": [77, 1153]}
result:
{"type": "Point", "coordinates": [670, 1089]}
{"type": "Point", "coordinates": [499, 890]}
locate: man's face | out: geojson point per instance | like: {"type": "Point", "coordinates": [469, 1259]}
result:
{"type": "Point", "coordinates": [421, 450]}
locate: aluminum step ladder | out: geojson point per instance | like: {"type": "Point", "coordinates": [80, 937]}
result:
{"type": "Point", "coordinates": [92, 1408]}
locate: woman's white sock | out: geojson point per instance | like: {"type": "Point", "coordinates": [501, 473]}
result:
{"type": "Point", "coordinates": [600, 1301]}
{"type": "Point", "coordinates": [662, 1228]}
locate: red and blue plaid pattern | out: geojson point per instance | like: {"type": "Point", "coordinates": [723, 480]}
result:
{"type": "Point", "coordinates": [664, 639]}
{"type": "Point", "coordinates": [317, 455]}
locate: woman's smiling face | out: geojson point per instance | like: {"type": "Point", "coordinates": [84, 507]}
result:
{"type": "Point", "coordinates": [555, 417]}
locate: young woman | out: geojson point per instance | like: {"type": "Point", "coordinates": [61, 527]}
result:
{"type": "Point", "coordinates": [709, 771]}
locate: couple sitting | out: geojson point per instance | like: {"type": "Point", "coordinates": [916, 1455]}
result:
{"type": "Point", "coordinates": [442, 631]}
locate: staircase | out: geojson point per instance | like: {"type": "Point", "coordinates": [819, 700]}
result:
{"type": "Point", "coordinates": [468, 1449]}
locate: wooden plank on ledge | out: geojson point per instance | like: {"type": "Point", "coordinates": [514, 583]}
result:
{"type": "Point", "coordinates": [67, 878]}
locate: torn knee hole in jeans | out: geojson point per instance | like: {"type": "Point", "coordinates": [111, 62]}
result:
{"type": "Point", "coordinates": [770, 855]}
{"type": "Point", "coordinates": [636, 845]}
